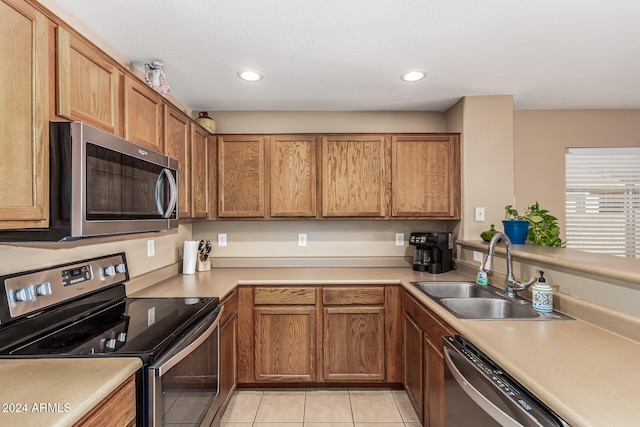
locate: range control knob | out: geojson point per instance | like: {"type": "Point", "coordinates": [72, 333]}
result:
{"type": "Point", "coordinates": [23, 295]}
{"type": "Point", "coordinates": [110, 271]}
{"type": "Point", "coordinates": [122, 336]}
{"type": "Point", "coordinates": [121, 268]}
{"type": "Point", "coordinates": [110, 343]}
{"type": "Point", "coordinates": [43, 289]}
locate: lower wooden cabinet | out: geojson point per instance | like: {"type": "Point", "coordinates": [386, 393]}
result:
{"type": "Point", "coordinates": [353, 328]}
{"type": "Point", "coordinates": [319, 334]}
{"type": "Point", "coordinates": [228, 353]}
{"type": "Point", "coordinates": [116, 410]}
{"type": "Point", "coordinates": [424, 360]}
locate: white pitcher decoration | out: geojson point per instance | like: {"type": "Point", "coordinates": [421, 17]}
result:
{"type": "Point", "coordinates": [156, 78]}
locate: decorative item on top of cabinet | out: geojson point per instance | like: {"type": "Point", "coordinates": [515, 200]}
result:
{"type": "Point", "coordinates": [206, 122]}
{"type": "Point", "coordinates": [354, 176]}
{"type": "Point", "coordinates": [241, 176]}
{"type": "Point", "coordinates": [426, 176]}
{"type": "Point", "coordinates": [89, 85]}
{"type": "Point", "coordinates": [24, 156]}
{"type": "Point", "coordinates": [293, 175]}
{"type": "Point", "coordinates": [200, 203]}
{"type": "Point", "coordinates": [143, 114]}
{"type": "Point", "coordinates": [177, 145]}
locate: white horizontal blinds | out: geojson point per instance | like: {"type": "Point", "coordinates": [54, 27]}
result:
{"type": "Point", "coordinates": [603, 200]}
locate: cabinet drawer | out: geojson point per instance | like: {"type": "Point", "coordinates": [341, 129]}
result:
{"type": "Point", "coordinates": [353, 295]}
{"type": "Point", "coordinates": [285, 296]}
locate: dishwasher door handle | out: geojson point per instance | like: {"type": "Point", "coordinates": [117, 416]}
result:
{"type": "Point", "coordinates": [467, 386]}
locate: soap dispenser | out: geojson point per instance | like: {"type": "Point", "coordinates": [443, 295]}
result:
{"type": "Point", "coordinates": [542, 295]}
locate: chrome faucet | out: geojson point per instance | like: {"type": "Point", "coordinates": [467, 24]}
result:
{"type": "Point", "coordinates": [511, 285]}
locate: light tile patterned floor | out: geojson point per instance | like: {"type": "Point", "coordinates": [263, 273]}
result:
{"type": "Point", "coordinates": [320, 408]}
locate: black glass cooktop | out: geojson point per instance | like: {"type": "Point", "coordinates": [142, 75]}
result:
{"type": "Point", "coordinates": [129, 327]}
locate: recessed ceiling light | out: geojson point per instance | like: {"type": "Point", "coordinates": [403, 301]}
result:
{"type": "Point", "coordinates": [250, 75]}
{"type": "Point", "coordinates": [413, 76]}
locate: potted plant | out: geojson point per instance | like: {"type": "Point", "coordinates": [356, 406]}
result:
{"type": "Point", "coordinates": [536, 226]}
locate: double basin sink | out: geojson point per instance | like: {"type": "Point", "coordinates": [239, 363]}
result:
{"type": "Point", "coordinates": [467, 300]}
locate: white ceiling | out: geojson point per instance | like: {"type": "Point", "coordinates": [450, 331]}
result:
{"type": "Point", "coordinates": [349, 54]}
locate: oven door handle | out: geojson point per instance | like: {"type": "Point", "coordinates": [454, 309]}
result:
{"type": "Point", "coordinates": [189, 343]}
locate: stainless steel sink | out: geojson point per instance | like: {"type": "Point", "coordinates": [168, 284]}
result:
{"type": "Point", "coordinates": [452, 289]}
{"type": "Point", "coordinates": [488, 308]}
{"type": "Point", "coordinates": [466, 300]}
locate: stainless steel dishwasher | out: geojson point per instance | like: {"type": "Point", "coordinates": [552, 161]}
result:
{"type": "Point", "coordinates": [479, 393]}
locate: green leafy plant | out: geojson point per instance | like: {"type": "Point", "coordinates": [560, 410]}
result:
{"type": "Point", "coordinates": [544, 230]}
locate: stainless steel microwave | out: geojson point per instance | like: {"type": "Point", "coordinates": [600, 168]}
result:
{"type": "Point", "coordinates": [103, 185]}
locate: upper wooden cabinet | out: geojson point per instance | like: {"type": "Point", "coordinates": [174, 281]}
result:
{"type": "Point", "coordinates": [241, 185]}
{"type": "Point", "coordinates": [426, 176]}
{"type": "Point", "coordinates": [89, 84]}
{"type": "Point", "coordinates": [24, 116]}
{"type": "Point", "coordinates": [177, 145]}
{"type": "Point", "coordinates": [200, 203]}
{"type": "Point", "coordinates": [353, 176]}
{"type": "Point", "coordinates": [293, 176]}
{"type": "Point", "coordinates": [143, 114]}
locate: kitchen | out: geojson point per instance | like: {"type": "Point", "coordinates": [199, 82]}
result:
{"type": "Point", "coordinates": [491, 128]}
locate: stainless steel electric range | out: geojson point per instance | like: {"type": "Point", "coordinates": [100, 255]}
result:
{"type": "Point", "coordinates": [80, 309]}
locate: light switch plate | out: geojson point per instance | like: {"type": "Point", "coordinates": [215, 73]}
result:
{"type": "Point", "coordinates": [222, 239]}
{"type": "Point", "coordinates": [399, 239]}
{"type": "Point", "coordinates": [151, 248]}
{"type": "Point", "coordinates": [480, 215]}
{"type": "Point", "coordinates": [477, 256]}
{"type": "Point", "coordinates": [302, 239]}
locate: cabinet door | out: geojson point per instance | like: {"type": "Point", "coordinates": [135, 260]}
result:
{"type": "Point", "coordinates": [228, 341]}
{"type": "Point", "coordinates": [426, 176]}
{"type": "Point", "coordinates": [177, 145]}
{"type": "Point", "coordinates": [143, 115]}
{"type": "Point", "coordinates": [434, 411]}
{"type": "Point", "coordinates": [241, 176]}
{"type": "Point", "coordinates": [24, 116]}
{"type": "Point", "coordinates": [199, 172]}
{"type": "Point", "coordinates": [354, 347]}
{"type": "Point", "coordinates": [89, 85]}
{"type": "Point", "coordinates": [116, 410]}
{"type": "Point", "coordinates": [353, 176]}
{"type": "Point", "coordinates": [285, 343]}
{"type": "Point", "coordinates": [413, 364]}
{"type": "Point", "coordinates": [293, 176]}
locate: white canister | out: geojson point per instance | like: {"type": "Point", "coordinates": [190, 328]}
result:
{"type": "Point", "coordinates": [542, 297]}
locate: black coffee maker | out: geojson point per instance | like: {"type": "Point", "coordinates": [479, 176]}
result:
{"type": "Point", "coordinates": [434, 251]}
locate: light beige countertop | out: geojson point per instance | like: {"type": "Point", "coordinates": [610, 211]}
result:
{"type": "Point", "coordinates": [58, 392]}
{"type": "Point", "coordinates": [588, 375]}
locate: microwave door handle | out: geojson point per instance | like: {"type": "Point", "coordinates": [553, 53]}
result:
{"type": "Point", "coordinates": [173, 191]}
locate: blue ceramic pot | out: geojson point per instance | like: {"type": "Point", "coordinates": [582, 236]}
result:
{"type": "Point", "coordinates": [516, 231]}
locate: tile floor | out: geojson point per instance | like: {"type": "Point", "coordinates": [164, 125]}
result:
{"type": "Point", "coordinates": [320, 408]}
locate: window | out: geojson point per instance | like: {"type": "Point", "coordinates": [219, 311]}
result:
{"type": "Point", "coordinates": [603, 200]}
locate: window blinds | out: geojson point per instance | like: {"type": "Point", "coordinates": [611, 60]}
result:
{"type": "Point", "coordinates": [603, 200]}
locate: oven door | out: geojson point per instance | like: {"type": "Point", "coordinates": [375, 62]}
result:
{"type": "Point", "coordinates": [184, 382]}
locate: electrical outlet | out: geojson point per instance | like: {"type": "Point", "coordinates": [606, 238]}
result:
{"type": "Point", "coordinates": [480, 215]}
{"type": "Point", "coordinates": [151, 248]}
{"type": "Point", "coordinates": [477, 256]}
{"type": "Point", "coordinates": [222, 239]}
{"type": "Point", "coordinates": [302, 239]}
{"type": "Point", "coordinates": [399, 239]}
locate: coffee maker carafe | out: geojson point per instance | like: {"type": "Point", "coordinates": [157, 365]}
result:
{"type": "Point", "coordinates": [434, 251]}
